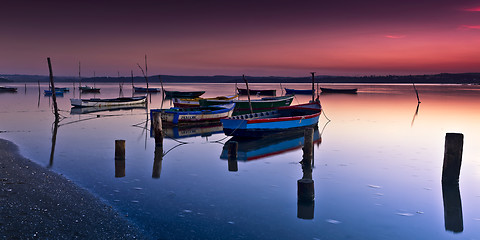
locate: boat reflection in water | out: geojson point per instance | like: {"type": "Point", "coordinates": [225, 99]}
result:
{"type": "Point", "coordinates": [256, 148]}
{"type": "Point", "coordinates": [188, 130]}
{"type": "Point", "coordinates": [86, 110]}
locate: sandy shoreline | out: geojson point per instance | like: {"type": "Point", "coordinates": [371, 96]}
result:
{"type": "Point", "coordinates": [38, 203]}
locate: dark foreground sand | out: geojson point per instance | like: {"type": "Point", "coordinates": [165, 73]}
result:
{"type": "Point", "coordinates": [36, 203]}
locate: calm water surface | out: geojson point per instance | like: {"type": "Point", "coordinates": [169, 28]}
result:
{"type": "Point", "coordinates": [377, 165]}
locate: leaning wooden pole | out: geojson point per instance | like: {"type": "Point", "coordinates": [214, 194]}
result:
{"type": "Point", "coordinates": [416, 92]}
{"type": "Point", "coordinates": [54, 97]}
{"type": "Point", "coordinates": [248, 94]}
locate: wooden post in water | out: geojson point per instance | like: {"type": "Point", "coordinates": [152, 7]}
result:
{"type": "Point", "coordinates": [158, 134]}
{"type": "Point", "coordinates": [54, 97]}
{"type": "Point", "coordinates": [157, 128]}
{"type": "Point", "coordinates": [119, 149]}
{"type": "Point", "coordinates": [119, 158]}
{"type": "Point", "coordinates": [248, 93]}
{"type": "Point", "coordinates": [452, 159]}
{"type": "Point", "coordinates": [232, 156]}
{"type": "Point", "coordinates": [305, 186]}
{"type": "Point", "coordinates": [313, 86]}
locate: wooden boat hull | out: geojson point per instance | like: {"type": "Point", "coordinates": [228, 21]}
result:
{"type": "Point", "coordinates": [8, 89]}
{"type": "Point", "coordinates": [87, 89]}
{"type": "Point", "coordinates": [97, 102]}
{"type": "Point", "coordinates": [195, 102]}
{"type": "Point", "coordinates": [258, 105]}
{"type": "Point", "coordinates": [195, 115]}
{"type": "Point", "coordinates": [339, 90]}
{"type": "Point", "coordinates": [298, 91]}
{"type": "Point", "coordinates": [146, 90]}
{"type": "Point", "coordinates": [86, 110]}
{"type": "Point", "coordinates": [267, 92]}
{"type": "Point", "coordinates": [179, 94]}
{"type": "Point", "coordinates": [283, 119]}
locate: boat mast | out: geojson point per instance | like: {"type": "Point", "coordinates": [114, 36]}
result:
{"type": "Point", "coordinates": [313, 86]}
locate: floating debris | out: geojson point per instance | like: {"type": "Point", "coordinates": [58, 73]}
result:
{"type": "Point", "coordinates": [405, 214]}
{"type": "Point", "coordinates": [134, 201]}
{"type": "Point", "coordinates": [373, 186]}
{"type": "Point", "coordinates": [187, 211]}
{"type": "Point", "coordinates": [230, 222]}
{"type": "Point", "coordinates": [332, 221]}
{"type": "Point", "coordinates": [138, 188]}
{"type": "Point", "coordinates": [420, 212]}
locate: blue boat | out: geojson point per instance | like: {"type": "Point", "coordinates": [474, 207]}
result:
{"type": "Point", "coordinates": [50, 93]}
{"type": "Point", "coordinates": [299, 91]}
{"type": "Point", "coordinates": [282, 119]}
{"type": "Point", "coordinates": [194, 115]}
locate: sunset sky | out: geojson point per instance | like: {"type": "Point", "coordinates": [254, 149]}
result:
{"type": "Point", "coordinates": [256, 38]}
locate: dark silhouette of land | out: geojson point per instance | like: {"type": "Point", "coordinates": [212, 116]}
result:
{"type": "Point", "coordinates": [444, 78]}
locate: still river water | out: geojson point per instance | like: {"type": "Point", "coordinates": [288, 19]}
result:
{"type": "Point", "coordinates": [377, 165]}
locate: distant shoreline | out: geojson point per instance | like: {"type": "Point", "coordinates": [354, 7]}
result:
{"type": "Point", "coordinates": [442, 78]}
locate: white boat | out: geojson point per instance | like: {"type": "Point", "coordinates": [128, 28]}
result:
{"type": "Point", "coordinates": [98, 102]}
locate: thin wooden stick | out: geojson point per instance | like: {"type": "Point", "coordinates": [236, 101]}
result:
{"type": "Point", "coordinates": [54, 97]}
{"type": "Point", "coordinates": [418, 99]}
{"type": "Point", "coordinates": [248, 93]}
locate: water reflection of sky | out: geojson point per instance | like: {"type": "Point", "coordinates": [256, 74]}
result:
{"type": "Point", "coordinates": [377, 170]}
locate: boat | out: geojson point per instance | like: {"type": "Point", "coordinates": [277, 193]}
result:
{"type": "Point", "coordinates": [282, 119]}
{"type": "Point", "coordinates": [63, 89]}
{"type": "Point", "coordinates": [87, 89]}
{"type": "Point", "coordinates": [98, 102]}
{"type": "Point", "coordinates": [95, 109]}
{"type": "Point", "coordinates": [267, 92]}
{"type": "Point", "coordinates": [194, 115]}
{"type": "Point", "coordinates": [270, 145]}
{"type": "Point", "coordinates": [339, 90]}
{"type": "Point", "coordinates": [180, 94]}
{"type": "Point", "coordinates": [146, 90]}
{"type": "Point", "coordinates": [8, 89]}
{"type": "Point", "coordinates": [299, 91]}
{"type": "Point", "coordinates": [50, 93]}
{"type": "Point", "coordinates": [258, 105]}
{"type": "Point", "coordinates": [195, 102]}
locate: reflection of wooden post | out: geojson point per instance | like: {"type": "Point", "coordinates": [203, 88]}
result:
{"type": "Point", "coordinates": [119, 158]}
{"type": "Point", "coordinates": [232, 156]}
{"type": "Point", "coordinates": [452, 206]}
{"type": "Point", "coordinates": [119, 168]}
{"type": "Point", "coordinates": [305, 186]}
{"type": "Point", "coordinates": [157, 162]}
{"type": "Point", "coordinates": [452, 159]}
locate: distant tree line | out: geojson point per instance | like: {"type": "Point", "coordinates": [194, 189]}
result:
{"type": "Point", "coordinates": [458, 78]}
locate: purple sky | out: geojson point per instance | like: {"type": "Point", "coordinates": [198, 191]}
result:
{"type": "Point", "coordinates": [257, 38]}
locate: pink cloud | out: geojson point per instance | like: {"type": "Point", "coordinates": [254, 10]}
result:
{"type": "Point", "coordinates": [469, 27]}
{"type": "Point", "coordinates": [473, 9]}
{"type": "Point", "coordinates": [395, 36]}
